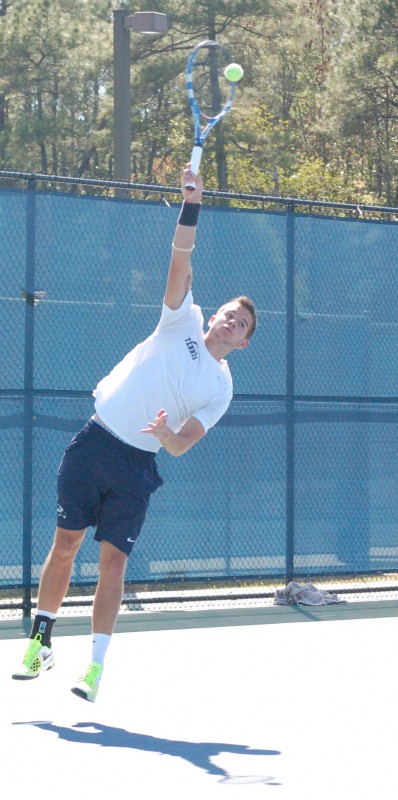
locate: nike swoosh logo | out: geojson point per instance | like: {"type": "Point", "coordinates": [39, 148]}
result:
{"type": "Point", "coordinates": [130, 540]}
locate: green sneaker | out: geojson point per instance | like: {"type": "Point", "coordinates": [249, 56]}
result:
{"type": "Point", "coordinates": [87, 686]}
{"type": "Point", "coordinates": [38, 658]}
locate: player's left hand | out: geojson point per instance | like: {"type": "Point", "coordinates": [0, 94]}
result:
{"type": "Point", "coordinates": [159, 427]}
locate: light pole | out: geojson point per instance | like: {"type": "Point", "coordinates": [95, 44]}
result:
{"type": "Point", "coordinates": [149, 22]}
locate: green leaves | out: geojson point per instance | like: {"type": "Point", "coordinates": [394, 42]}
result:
{"type": "Point", "coordinates": [315, 115]}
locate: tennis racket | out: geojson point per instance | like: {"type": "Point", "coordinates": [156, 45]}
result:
{"type": "Point", "coordinates": [210, 94]}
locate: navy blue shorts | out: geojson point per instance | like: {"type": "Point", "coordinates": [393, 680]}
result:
{"type": "Point", "coordinates": [105, 483]}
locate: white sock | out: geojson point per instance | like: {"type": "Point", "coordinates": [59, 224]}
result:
{"type": "Point", "coordinates": [48, 614]}
{"type": "Point", "coordinates": [100, 642]}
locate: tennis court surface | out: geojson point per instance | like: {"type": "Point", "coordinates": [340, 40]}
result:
{"type": "Point", "coordinates": [227, 704]}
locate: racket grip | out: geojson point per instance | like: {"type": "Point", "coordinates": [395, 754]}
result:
{"type": "Point", "coordinates": [196, 157]}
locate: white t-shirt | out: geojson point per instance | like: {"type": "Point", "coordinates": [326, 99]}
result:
{"type": "Point", "coordinates": [172, 369]}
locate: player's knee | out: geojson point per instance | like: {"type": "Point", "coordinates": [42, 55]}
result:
{"type": "Point", "coordinates": [112, 562]}
{"type": "Point", "coordinates": [67, 543]}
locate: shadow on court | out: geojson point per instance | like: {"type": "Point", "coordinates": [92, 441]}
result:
{"type": "Point", "coordinates": [199, 754]}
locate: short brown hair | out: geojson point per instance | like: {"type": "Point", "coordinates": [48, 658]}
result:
{"type": "Point", "coordinates": [249, 305]}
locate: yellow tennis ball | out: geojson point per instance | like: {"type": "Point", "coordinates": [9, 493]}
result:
{"type": "Point", "coordinates": [233, 72]}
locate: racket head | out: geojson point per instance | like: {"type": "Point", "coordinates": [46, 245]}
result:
{"type": "Point", "coordinates": [210, 94]}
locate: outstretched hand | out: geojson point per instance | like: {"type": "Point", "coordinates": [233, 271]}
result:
{"type": "Point", "coordinates": [159, 427]}
{"type": "Point", "coordinates": [191, 195]}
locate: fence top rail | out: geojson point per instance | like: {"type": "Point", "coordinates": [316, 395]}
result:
{"type": "Point", "coordinates": [31, 177]}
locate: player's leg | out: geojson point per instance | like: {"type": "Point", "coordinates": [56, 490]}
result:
{"type": "Point", "coordinates": [57, 568]}
{"type": "Point", "coordinates": [78, 499]}
{"type": "Point", "coordinates": [120, 520]}
{"type": "Point", "coordinates": [109, 594]}
{"type": "Point", "coordinates": [54, 583]}
{"type": "Point", "coordinates": [131, 476]}
{"type": "Point", "coordinates": [107, 601]}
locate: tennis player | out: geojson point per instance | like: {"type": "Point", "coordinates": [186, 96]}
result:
{"type": "Point", "coordinates": [108, 471]}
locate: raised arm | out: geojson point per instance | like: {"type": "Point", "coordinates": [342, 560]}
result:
{"type": "Point", "coordinates": [180, 272]}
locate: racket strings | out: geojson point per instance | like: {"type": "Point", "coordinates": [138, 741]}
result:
{"type": "Point", "coordinates": [209, 84]}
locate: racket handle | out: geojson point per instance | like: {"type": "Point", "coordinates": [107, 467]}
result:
{"type": "Point", "coordinates": [196, 157]}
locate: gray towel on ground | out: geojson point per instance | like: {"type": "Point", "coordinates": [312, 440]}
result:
{"type": "Point", "coordinates": [305, 594]}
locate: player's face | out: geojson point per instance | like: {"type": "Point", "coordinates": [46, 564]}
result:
{"type": "Point", "coordinates": [232, 324]}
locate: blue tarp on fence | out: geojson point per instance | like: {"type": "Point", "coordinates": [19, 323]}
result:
{"type": "Point", "coordinates": [299, 478]}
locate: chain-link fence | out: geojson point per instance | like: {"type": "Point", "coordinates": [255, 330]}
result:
{"type": "Point", "coordinates": [298, 480]}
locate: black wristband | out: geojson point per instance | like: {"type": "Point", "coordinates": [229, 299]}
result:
{"type": "Point", "coordinates": [189, 214]}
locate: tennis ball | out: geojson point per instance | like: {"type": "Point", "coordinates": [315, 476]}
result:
{"type": "Point", "coordinates": [233, 72]}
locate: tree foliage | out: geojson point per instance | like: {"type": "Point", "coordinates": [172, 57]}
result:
{"type": "Point", "coordinates": [315, 116]}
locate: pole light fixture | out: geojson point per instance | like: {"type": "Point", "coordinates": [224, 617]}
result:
{"type": "Point", "coordinates": [149, 22]}
{"type": "Point", "coordinates": [145, 22]}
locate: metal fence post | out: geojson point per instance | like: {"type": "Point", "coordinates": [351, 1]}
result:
{"type": "Point", "coordinates": [29, 297]}
{"type": "Point", "coordinates": [290, 366]}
